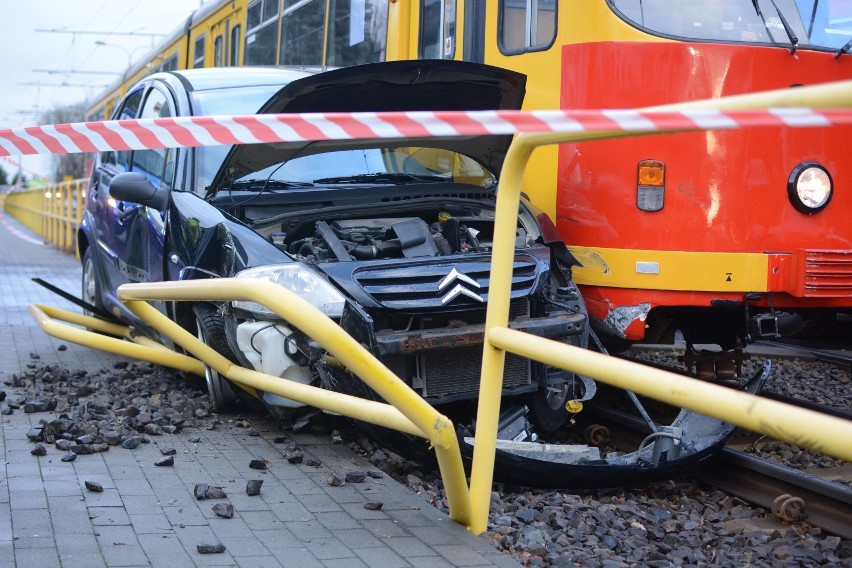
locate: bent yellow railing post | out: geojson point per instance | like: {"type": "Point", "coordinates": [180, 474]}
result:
{"type": "Point", "coordinates": [136, 348]}
{"type": "Point", "coordinates": [508, 197]}
{"type": "Point", "coordinates": [799, 426]}
{"type": "Point", "coordinates": [409, 412]}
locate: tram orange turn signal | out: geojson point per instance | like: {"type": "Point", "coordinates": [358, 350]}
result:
{"type": "Point", "coordinates": [651, 185]}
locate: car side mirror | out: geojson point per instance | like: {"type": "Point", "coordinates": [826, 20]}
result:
{"type": "Point", "coordinates": [135, 187]}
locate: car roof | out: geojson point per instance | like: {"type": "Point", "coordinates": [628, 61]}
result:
{"type": "Point", "coordinates": [224, 77]}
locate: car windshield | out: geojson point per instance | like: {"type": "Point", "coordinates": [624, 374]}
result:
{"type": "Point", "coordinates": [228, 101]}
{"type": "Point", "coordinates": [819, 24]}
{"type": "Point", "coordinates": [391, 165]}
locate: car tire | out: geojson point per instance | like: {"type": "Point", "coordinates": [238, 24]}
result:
{"type": "Point", "coordinates": [90, 287]}
{"type": "Point", "coordinates": [210, 328]}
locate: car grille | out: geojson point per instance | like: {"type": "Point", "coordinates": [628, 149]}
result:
{"type": "Point", "coordinates": [458, 371]}
{"type": "Point", "coordinates": [415, 286]}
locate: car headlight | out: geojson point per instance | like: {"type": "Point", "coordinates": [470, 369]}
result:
{"type": "Point", "coordinates": [809, 187]}
{"type": "Point", "coordinates": [301, 281]}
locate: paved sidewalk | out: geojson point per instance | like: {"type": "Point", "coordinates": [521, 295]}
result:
{"type": "Point", "coordinates": [148, 516]}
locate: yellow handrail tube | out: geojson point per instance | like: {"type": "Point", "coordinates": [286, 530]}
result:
{"type": "Point", "coordinates": [424, 419]}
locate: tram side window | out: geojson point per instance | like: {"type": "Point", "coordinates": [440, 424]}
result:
{"type": "Point", "coordinates": [437, 29]}
{"type": "Point", "coordinates": [235, 46]}
{"type": "Point", "coordinates": [302, 28]}
{"type": "Point", "coordinates": [218, 51]}
{"type": "Point", "coordinates": [357, 32]}
{"type": "Point", "coordinates": [170, 64]}
{"type": "Point", "coordinates": [261, 32]}
{"type": "Point", "coordinates": [198, 52]}
{"type": "Point", "coordinates": [121, 160]}
{"type": "Point", "coordinates": [526, 25]}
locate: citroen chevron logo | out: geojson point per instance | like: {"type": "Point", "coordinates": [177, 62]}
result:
{"type": "Point", "coordinates": [458, 289]}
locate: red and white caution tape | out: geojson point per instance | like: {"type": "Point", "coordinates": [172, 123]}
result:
{"type": "Point", "coordinates": [253, 129]}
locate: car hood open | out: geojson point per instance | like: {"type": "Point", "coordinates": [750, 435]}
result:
{"type": "Point", "coordinates": [433, 85]}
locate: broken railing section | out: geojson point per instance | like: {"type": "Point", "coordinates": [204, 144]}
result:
{"type": "Point", "coordinates": [410, 413]}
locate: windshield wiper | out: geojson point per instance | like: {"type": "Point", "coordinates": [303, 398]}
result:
{"type": "Point", "coordinates": [263, 184]}
{"type": "Point", "coordinates": [846, 47]}
{"type": "Point", "coordinates": [382, 177]}
{"type": "Point", "coordinates": [791, 35]}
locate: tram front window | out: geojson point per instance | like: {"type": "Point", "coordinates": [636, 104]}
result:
{"type": "Point", "coordinates": [817, 24]}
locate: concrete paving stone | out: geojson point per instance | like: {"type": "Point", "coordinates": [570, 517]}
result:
{"type": "Point", "coordinates": [82, 560]}
{"type": "Point", "coordinates": [384, 557]}
{"type": "Point", "coordinates": [329, 549]}
{"type": "Point", "coordinates": [279, 542]}
{"type": "Point", "coordinates": [63, 488]}
{"type": "Point", "coordinates": [259, 562]}
{"type": "Point", "coordinates": [262, 520]}
{"type": "Point", "coordinates": [407, 546]}
{"type": "Point", "coordinates": [235, 527]}
{"type": "Point", "coordinates": [429, 562]}
{"type": "Point", "coordinates": [31, 539]}
{"type": "Point", "coordinates": [109, 497]}
{"type": "Point", "coordinates": [290, 512]}
{"type": "Point", "coordinates": [26, 467]}
{"type": "Point", "coordinates": [177, 560]}
{"type": "Point", "coordinates": [337, 520]}
{"type": "Point", "coordinates": [461, 555]}
{"type": "Point", "coordinates": [109, 516]}
{"type": "Point", "coordinates": [31, 520]}
{"type": "Point", "coordinates": [7, 551]}
{"type": "Point", "coordinates": [156, 544]}
{"type": "Point", "coordinates": [25, 483]}
{"type": "Point", "coordinates": [385, 528]}
{"type": "Point", "coordinates": [140, 504]}
{"type": "Point", "coordinates": [40, 557]}
{"type": "Point", "coordinates": [243, 502]}
{"type": "Point", "coordinates": [189, 516]}
{"type": "Point", "coordinates": [319, 503]}
{"type": "Point", "coordinates": [349, 493]}
{"type": "Point", "coordinates": [344, 563]}
{"type": "Point", "coordinates": [28, 500]}
{"type": "Point", "coordinates": [358, 512]}
{"type": "Point", "coordinates": [299, 558]}
{"type": "Point", "coordinates": [412, 518]}
{"type": "Point", "coordinates": [243, 545]}
{"type": "Point", "coordinates": [308, 530]}
{"type": "Point", "coordinates": [76, 544]}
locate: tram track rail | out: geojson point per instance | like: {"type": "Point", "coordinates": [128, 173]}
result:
{"type": "Point", "coordinates": [791, 495]}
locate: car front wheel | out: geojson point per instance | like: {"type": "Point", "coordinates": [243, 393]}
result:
{"type": "Point", "coordinates": [211, 330]}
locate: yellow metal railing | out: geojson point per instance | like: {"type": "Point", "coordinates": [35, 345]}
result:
{"type": "Point", "coordinates": [408, 412]}
{"type": "Point", "coordinates": [54, 211]}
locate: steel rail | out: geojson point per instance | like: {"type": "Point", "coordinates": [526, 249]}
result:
{"type": "Point", "coordinates": [827, 504]}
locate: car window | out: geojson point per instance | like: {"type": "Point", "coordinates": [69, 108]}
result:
{"type": "Point", "coordinates": [155, 164]}
{"type": "Point", "coordinates": [129, 110]}
{"type": "Point", "coordinates": [407, 164]}
{"type": "Point", "coordinates": [229, 101]}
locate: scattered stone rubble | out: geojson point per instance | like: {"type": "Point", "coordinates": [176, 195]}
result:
{"type": "Point", "coordinates": [668, 524]}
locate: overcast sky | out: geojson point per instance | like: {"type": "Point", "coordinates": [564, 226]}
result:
{"type": "Point", "coordinates": [24, 92]}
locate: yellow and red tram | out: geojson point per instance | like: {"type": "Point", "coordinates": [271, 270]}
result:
{"type": "Point", "coordinates": [724, 235]}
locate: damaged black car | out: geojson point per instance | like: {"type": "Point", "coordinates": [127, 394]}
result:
{"type": "Point", "coordinates": [391, 238]}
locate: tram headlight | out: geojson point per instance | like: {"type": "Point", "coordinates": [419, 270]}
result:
{"type": "Point", "coordinates": [809, 187]}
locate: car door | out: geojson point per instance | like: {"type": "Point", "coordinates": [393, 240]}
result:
{"type": "Point", "coordinates": [107, 211]}
{"type": "Point", "coordinates": [130, 236]}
